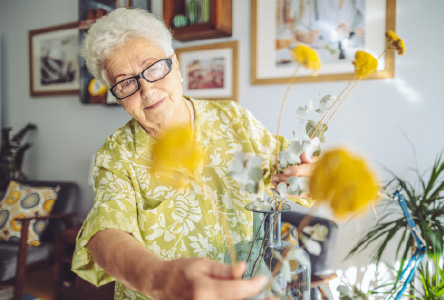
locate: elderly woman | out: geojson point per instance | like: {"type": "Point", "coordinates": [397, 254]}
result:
{"type": "Point", "coordinates": [154, 240]}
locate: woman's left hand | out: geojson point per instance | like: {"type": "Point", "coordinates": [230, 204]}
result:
{"type": "Point", "coordinates": [304, 169]}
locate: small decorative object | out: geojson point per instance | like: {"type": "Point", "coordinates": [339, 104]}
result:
{"type": "Point", "coordinates": [180, 21]}
{"type": "Point", "coordinates": [12, 153]}
{"type": "Point", "coordinates": [205, 11]}
{"type": "Point", "coordinates": [193, 11]}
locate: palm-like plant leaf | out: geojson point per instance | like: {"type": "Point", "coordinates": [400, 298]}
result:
{"type": "Point", "coordinates": [12, 152]}
{"type": "Point", "coordinates": [18, 137]}
{"type": "Point", "coordinates": [425, 201]}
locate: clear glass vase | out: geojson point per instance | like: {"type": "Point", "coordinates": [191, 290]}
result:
{"type": "Point", "coordinates": [286, 262]}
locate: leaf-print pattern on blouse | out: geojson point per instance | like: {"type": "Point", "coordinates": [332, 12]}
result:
{"type": "Point", "coordinates": [170, 222]}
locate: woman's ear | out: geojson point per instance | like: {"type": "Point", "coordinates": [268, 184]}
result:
{"type": "Point", "coordinates": [175, 60]}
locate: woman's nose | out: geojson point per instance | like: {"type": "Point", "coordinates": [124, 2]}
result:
{"type": "Point", "coordinates": [146, 87]}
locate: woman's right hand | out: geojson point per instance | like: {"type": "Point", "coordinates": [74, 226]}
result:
{"type": "Point", "coordinates": [127, 260]}
{"type": "Point", "coordinates": [202, 279]}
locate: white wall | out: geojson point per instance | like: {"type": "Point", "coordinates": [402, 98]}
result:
{"type": "Point", "coordinates": [371, 122]}
{"type": "Point", "coordinates": [68, 132]}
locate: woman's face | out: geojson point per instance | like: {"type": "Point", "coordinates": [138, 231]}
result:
{"type": "Point", "coordinates": [156, 104]}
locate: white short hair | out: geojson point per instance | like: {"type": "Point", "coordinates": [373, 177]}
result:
{"type": "Point", "coordinates": [113, 30]}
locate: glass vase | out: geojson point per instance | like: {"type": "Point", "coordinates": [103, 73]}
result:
{"type": "Point", "coordinates": [285, 262]}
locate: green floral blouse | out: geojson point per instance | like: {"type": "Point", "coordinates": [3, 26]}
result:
{"type": "Point", "coordinates": [173, 222]}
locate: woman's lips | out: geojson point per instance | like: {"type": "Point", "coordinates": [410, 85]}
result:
{"type": "Point", "coordinates": [157, 104]}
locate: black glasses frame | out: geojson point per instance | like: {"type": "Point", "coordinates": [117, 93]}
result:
{"type": "Point", "coordinates": [137, 77]}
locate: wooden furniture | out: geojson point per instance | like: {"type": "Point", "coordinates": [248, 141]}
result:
{"type": "Point", "coordinates": [67, 284]}
{"type": "Point", "coordinates": [17, 258]}
{"type": "Point", "coordinates": [220, 23]}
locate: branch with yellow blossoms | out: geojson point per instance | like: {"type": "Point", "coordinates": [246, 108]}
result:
{"type": "Point", "coordinates": [341, 180]}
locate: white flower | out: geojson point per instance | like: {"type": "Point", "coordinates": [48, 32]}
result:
{"type": "Point", "coordinates": [294, 151]}
{"type": "Point", "coordinates": [246, 171]}
{"type": "Point", "coordinates": [280, 191]}
{"type": "Point", "coordinates": [310, 146]}
{"type": "Point", "coordinates": [313, 247]}
{"type": "Point", "coordinates": [282, 158]}
{"type": "Point", "coordinates": [298, 185]}
{"type": "Point", "coordinates": [303, 111]}
{"type": "Point", "coordinates": [325, 103]}
{"type": "Point", "coordinates": [318, 232]}
{"type": "Point", "coordinates": [262, 205]}
{"type": "Point", "coordinates": [291, 156]}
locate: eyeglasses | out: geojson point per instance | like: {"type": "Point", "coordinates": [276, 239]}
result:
{"type": "Point", "coordinates": [129, 86]}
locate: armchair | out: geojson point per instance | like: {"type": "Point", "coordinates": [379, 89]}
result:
{"type": "Point", "coordinates": [17, 258]}
{"type": "Point", "coordinates": [321, 265]}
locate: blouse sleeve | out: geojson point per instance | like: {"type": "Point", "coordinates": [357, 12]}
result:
{"type": "Point", "coordinates": [114, 207]}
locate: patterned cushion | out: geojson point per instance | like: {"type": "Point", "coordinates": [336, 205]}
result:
{"type": "Point", "coordinates": [24, 201]}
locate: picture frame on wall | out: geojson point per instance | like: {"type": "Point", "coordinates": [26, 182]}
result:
{"type": "Point", "coordinates": [53, 60]}
{"type": "Point", "coordinates": [335, 29]}
{"type": "Point", "coordinates": [210, 71]}
{"type": "Point", "coordinates": [90, 11]}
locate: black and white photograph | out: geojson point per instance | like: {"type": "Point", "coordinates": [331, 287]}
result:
{"type": "Point", "coordinates": [54, 60]}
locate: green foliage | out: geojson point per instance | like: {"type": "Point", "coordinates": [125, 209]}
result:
{"type": "Point", "coordinates": [12, 152]}
{"type": "Point", "coordinates": [425, 201]}
{"type": "Point", "coordinates": [351, 293]}
{"type": "Point", "coordinates": [311, 127]}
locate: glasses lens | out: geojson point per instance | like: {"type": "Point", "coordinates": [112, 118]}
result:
{"type": "Point", "coordinates": [157, 71]}
{"type": "Point", "coordinates": [125, 88]}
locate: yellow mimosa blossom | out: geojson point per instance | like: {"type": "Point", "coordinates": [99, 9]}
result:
{"type": "Point", "coordinates": [365, 64]}
{"type": "Point", "coordinates": [394, 42]}
{"type": "Point", "coordinates": [306, 56]}
{"type": "Point", "coordinates": [176, 150]}
{"type": "Point", "coordinates": [344, 182]}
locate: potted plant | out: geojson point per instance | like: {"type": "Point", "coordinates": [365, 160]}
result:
{"type": "Point", "coordinates": [425, 203]}
{"type": "Point", "coordinates": [12, 152]}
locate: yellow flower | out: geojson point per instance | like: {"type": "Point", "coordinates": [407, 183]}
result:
{"type": "Point", "coordinates": [365, 64]}
{"type": "Point", "coordinates": [344, 182]}
{"type": "Point", "coordinates": [176, 151]}
{"type": "Point", "coordinates": [394, 42]}
{"type": "Point", "coordinates": [306, 56]}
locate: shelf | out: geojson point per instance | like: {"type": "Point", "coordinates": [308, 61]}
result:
{"type": "Point", "coordinates": [219, 25]}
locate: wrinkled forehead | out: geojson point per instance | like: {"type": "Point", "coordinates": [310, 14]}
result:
{"type": "Point", "coordinates": [131, 58]}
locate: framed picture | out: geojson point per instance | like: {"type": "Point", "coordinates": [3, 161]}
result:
{"type": "Point", "coordinates": [335, 28]}
{"type": "Point", "coordinates": [53, 59]}
{"type": "Point", "coordinates": [90, 11]}
{"type": "Point", "coordinates": [91, 91]}
{"type": "Point", "coordinates": [210, 71]}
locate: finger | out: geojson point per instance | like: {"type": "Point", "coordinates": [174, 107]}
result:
{"type": "Point", "coordinates": [277, 178]}
{"type": "Point", "coordinates": [225, 271]}
{"type": "Point", "coordinates": [302, 170]}
{"type": "Point", "coordinates": [305, 160]}
{"type": "Point", "coordinates": [239, 269]}
{"type": "Point", "coordinates": [231, 289]}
